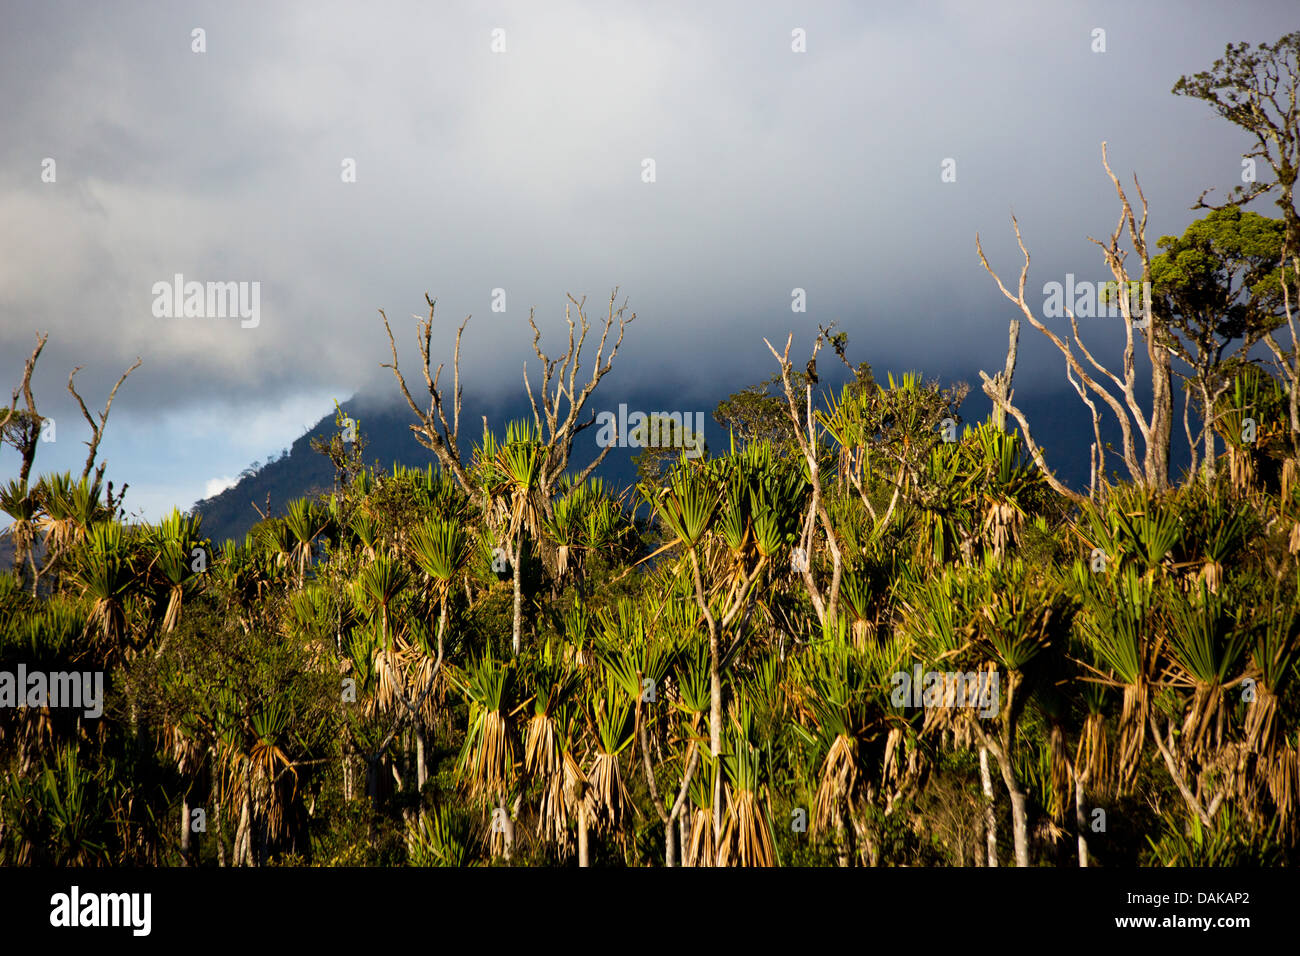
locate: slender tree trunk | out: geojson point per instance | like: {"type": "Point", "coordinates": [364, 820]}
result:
{"type": "Point", "coordinates": [583, 858]}
{"type": "Point", "coordinates": [519, 598]}
{"type": "Point", "coordinates": [421, 771]}
{"type": "Point", "coordinates": [185, 830]}
{"type": "Point", "coordinates": [1092, 478]}
{"type": "Point", "coordinates": [1020, 824]}
{"type": "Point", "coordinates": [243, 851]}
{"type": "Point", "coordinates": [1081, 822]}
{"type": "Point", "coordinates": [1161, 430]}
{"type": "Point", "coordinates": [990, 817]}
{"type": "Point", "coordinates": [507, 831]}
{"type": "Point", "coordinates": [221, 840]}
{"type": "Point", "coordinates": [372, 791]}
{"type": "Point", "coordinates": [715, 734]}
{"type": "Point", "coordinates": [1211, 461]}
{"type": "Point", "coordinates": [1019, 812]}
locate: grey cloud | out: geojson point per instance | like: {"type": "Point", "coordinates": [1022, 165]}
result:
{"type": "Point", "coordinates": [521, 171]}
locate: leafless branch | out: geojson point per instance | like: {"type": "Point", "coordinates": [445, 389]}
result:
{"type": "Point", "coordinates": [97, 430]}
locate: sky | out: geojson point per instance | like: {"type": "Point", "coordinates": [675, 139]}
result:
{"type": "Point", "coordinates": [345, 158]}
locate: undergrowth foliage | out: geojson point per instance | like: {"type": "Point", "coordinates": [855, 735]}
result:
{"type": "Point", "coordinates": [709, 671]}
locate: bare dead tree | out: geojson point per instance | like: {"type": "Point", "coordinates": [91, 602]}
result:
{"type": "Point", "coordinates": [558, 419]}
{"type": "Point", "coordinates": [434, 432]}
{"type": "Point", "coordinates": [563, 395]}
{"type": "Point", "coordinates": [22, 434]}
{"type": "Point", "coordinates": [97, 429]}
{"type": "Point", "coordinates": [22, 429]}
{"type": "Point", "coordinates": [998, 387]}
{"type": "Point", "coordinates": [824, 605]}
{"type": "Point", "coordinates": [1154, 427]}
{"type": "Point", "coordinates": [1157, 427]}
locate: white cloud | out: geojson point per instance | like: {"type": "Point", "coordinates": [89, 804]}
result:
{"type": "Point", "coordinates": [216, 486]}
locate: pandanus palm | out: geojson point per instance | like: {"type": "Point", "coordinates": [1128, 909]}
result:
{"type": "Point", "coordinates": [442, 496]}
{"type": "Point", "coordinates": [639, 649]}
{"type": "Point", "coordinates": [747, 835]}
{"type": "Point", "coordinates": [1206, 644]}
{"type": "Point", "coordinates": [224, 719]}
{"type": "Point", "coordinates": [850, 423]}
{"type": "Point", "coordinates": [688, 504]}
{"type": "Point", "coordinates": [277, 542]}
{"type": "Point", "coordinates": [866, 591]}
{"type": "Point", "coordinates": [242, 574]}
{"type": "Point", "coordinates": [69, 509]}
{"type": "Point", "coordinates": [362, 650]}
{"type": "Point", "coordinates": [319, 615]}
{"type": "Point", "coordinates": [106, 575]}
{"type": "Point", "coordinates": [20, 505]}
{"type": "Point", "coordinates": [519, 466]}
{"type": "Point", "coordinates": [378, 588]}
{"type": "Point", "coordinates": [843, 420]}
{"type": "Point", "coordinates": [441, 549]}
{"type": "Point", "coordinates": [1134, 526]}
{"type": "Point", "coordinates": [1216, 529]}
{"type": "Point", "coordinates": [1022, 616]}
{"type": "Point", "coordinates": [763, 504]}
{"type": "Point", "coordinates": [842, 702]}
{"type": "Point", "coordinates": [174, 542]}
{"type": "Point", "coordinates": [689, 507]}
{"type": "Point", "coordinates": [690, 705]}
{"type": "Point", "coordinates": [607, 798]}
{"type": "Point", "coordinates": [304, 522]}
{"type": "Point", "coordinates": [445, 836]}
{"type": "Point", "coordinates": [271, 773]}
{"type": "Point", "coordinates": [1243, 421]}
{"type": "Point", "coordinates": [549, 739]}
{"type": "Point", "coordinates": [1274, 655]}
{"type": "Point", "coordinates": [365, 530]}
{"type": "Point", "coordinates": [946, 516]}
{"type": "Point", "coordinates": [58, 816]}
{"type": "Point", "coordinates": [564, 527]}
{"type": "Point", "coordinates": [751, 501]}
{"type": "Point", "coordinates": [49, 638]}
{"type": "Point", "coordinates": [998, 481]}
{"type": "Point", "coordinates": [487, 758]}
{"type": "Point", "coordinates": [487, 766]}
{"type": "Point", "coordinates": [703, 834]}
{"type": "Point", "coordinates": [1117, 626]}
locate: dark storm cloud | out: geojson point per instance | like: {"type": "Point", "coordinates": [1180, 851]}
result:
{"type": "Point", "coordinates": [521, 171]}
